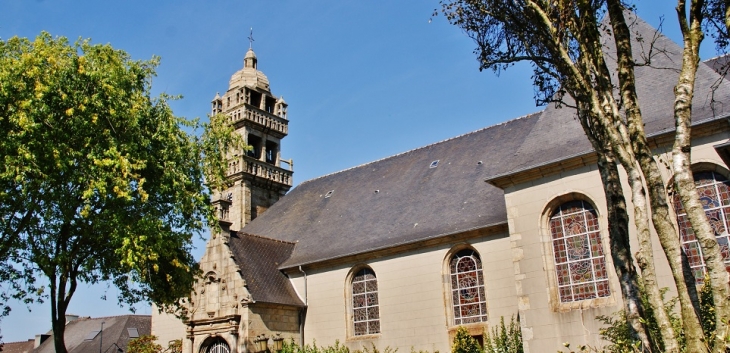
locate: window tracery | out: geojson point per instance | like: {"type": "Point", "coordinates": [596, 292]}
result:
{"type": "Point", "coordinates": [580, 265]}
{"type": "Point", "coordinates": [714, 192]}
{"type": "Point", "coordinates": [365, 307]}
{"type": "Point", "coordinates": [467, 288]}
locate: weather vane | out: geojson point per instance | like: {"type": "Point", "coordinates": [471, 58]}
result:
{"type": "Point", "coordinates": [250, 39]}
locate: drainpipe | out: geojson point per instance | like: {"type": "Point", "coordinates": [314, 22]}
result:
{"type": "Point", "coordinates": [303, 312]}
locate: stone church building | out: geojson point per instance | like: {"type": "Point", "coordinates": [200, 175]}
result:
{"type": "Point", "coordinates": [504, 221]}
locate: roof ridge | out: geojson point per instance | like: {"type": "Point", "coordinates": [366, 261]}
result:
{"type": "Point", "coordinates": [424, 147]}
{"type": "Point", "coordinates": [267, 238]}
{"type": "Point", "coordinates": [108, 317]}
{"type": "Point", "coordinates": [716, 57]}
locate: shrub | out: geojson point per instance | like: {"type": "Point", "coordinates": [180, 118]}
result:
{"type": "Point", "coordinates": [504, 339]}
{"type": "Point", "coordinates": [464, 342]}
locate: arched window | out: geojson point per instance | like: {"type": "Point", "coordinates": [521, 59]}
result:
{"type": "Point", "coordinates": [467, 287]}
{"type": "Point", "coordinates": [580, 265]}
{"type": "Point", "coordinates": [365, 312]}
{"type": "Point", "coordinates": [714, 192]}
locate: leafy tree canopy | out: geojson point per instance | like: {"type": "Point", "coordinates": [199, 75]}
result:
{"type": "Point", "coordinates": [99, 180]}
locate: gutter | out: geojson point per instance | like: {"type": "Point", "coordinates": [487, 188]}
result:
{"type": "Point", "coordinates": [303, 311]}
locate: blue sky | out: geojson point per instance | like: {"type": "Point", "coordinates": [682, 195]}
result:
{"type": "Point", "coordinates": [364, 80]}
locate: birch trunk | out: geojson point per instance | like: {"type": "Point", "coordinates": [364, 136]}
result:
{"type": "Point", "coordinates": [618, 230]}
{"type": "Point", "coordinates": [627, 89]}
{"type": "Point", "coordinates": [681, 165]}
{"type": "Point", "coordinates": [662, 221]}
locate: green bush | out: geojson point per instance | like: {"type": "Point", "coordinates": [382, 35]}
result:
{"type": "Point", "coordinates": [464, 342]}
{"type": "Point", "coordinates": [618, 331]}
{"type": "Point", "coordinates": [504, 339]}
{"type": "Point", "coordinates": [292, 347]}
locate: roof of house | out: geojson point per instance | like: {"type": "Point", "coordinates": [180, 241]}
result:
{"type": "Point", "coordinates": [79, 335]}
{"type": "Point", "coordinates": [260, 268]}
{"type": "Point", "coordinates": [18, 347]}
{"type": "Point", "coordinates": [402, 199]}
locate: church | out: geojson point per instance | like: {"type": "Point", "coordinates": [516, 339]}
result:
{"type": "Point", "coordinates": [506, 221]}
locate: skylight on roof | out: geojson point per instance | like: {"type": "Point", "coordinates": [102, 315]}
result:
{"type": "Point", "coordinates": [328, 194]}
{"type": "Point", "coordinates": [91, 335]}
{"type": "Point", "coordinates": [434, 164]}
{"type": "Point", "coordinates": [133, 333]}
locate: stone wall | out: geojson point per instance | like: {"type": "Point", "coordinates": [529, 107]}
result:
{"type": "Point", "coordinates": [413, 293]}
{"type": "Point", "coordinates": [547, 323]}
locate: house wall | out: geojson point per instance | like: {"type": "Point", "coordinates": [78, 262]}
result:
{"type": "Point", "coordinates": [547, 323]}
{"type": "Point", "coordinates": [166, 327]}
{"type": "Point", "coordinates": [413, 294]}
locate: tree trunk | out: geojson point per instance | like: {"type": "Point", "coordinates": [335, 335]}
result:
{"type": "Point", "coordinates": [627, 89]}
{"type": "Point", "coordinates": [618, 230]}
{"type": "Point", "coordinates": [60, 296]}
{"type": "Point", "coordinates": [58, 315]}
{"type": "Point", "coordinates": [683, 179]}
{"type": "Point", "coordinates": [645, 258]}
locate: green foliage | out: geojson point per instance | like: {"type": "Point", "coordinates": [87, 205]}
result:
{"type": "Point", "coordinates": [503, 338]}
{"type": "Point", "coordinates": [464, 342]}
{"type": "Point", "coordinates": [99, 180]}
{"type": "Point", "coordinates": [707, 311]}
{"type": "Point", "coordinates": [413, 350]}
{"type": "Point", "coordinates": [174, 346]}
{"type": "Point", "coordinates": [144, 344]}
{"type": "Point", "coordinates": [291, 347]}
{"type": "Point", "coordinates": [617, 329]}
{"type": "Point", "coordinates": [374, 349]}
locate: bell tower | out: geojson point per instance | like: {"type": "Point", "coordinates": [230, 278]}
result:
{"type": "Point", "coordinates": [257, 176]}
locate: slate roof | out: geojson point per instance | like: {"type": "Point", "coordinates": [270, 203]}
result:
{"type": "Point", "coordinates": [719, 64]}
{"type": "Point", "coordinates": [400, 200]}
{"type": "Point", "coordinates": [18, 347]}
{"type": "Point", "coordinates": [258, 259]}
{"type": "Point", "coordinates": [115, 331]}
{"type": "Point", "coordinates": [397, 200]}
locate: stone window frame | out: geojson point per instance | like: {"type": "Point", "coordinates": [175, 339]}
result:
{"type": "Point", "coordinates": [549, 255]}
{"type": "Point", "coordinates": [350, 304]}
{"type": "Point", "coordinates": [475, 329]}
{"type": "Point", "coordinates": [698, 167]}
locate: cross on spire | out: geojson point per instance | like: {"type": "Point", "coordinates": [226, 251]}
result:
{"type": "Point", "coordinates": [250, 39]}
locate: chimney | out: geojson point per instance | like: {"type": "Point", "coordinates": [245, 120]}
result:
{"type": "Point", "coordinates": [39, 339]}
{"type": "Point", "coordinates": [71, 317]}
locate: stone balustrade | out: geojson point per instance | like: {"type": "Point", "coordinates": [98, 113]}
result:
{"type": "Point", "coordinates": [259, 169]}
{"type": "Point", "coordinates": [260, 117]}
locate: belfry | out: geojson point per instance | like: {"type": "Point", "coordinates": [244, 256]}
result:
{"type": "Point", "coordinates": [233, 306]}
{"type": "Point", "coordinates": [257, 177]}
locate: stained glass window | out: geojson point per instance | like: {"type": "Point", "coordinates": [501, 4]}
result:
{"type": "Point", "coordinates": [467, 288]}
{"type": "Point", "coordinates": [714, 193]}
{"type": "Point", "coordinates": [580, 265]}
{"type": "Point", "coordinates": [365, 313]}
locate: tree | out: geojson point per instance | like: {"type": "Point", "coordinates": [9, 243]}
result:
{"type": "Point", "coordinates": [100, 181]}
{"type": "Point", "coordinates": [144, 344]}
{"type": "Point", "coordinates": [563, 42]}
